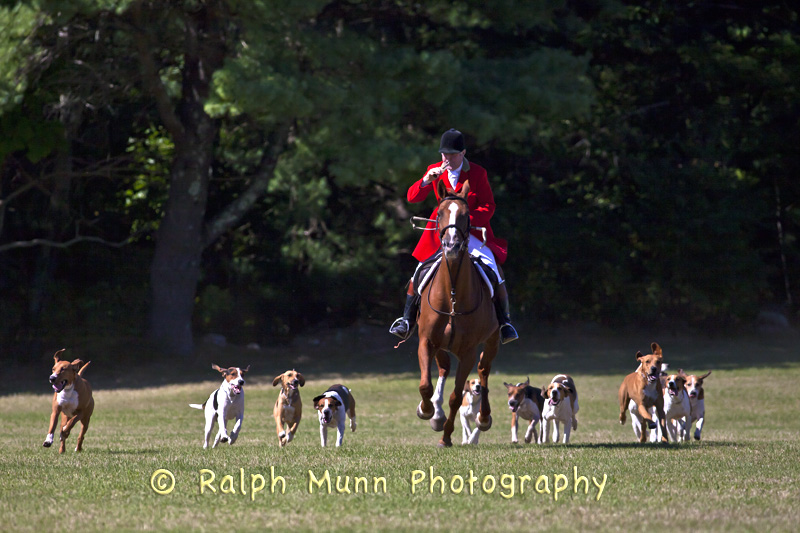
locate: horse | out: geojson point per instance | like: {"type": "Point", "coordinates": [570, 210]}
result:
{"type": "Point", "coordinates": [456, 315]}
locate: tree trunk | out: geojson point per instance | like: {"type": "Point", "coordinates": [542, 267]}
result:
{"type": "Point", "coordinates": [175, 269]}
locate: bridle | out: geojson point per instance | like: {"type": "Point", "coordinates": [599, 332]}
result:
{"type": "Point", "coordinates": [464, 235]}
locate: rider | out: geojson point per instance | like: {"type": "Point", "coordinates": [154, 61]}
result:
{"type": "Point", "coordinates": [456, 170]}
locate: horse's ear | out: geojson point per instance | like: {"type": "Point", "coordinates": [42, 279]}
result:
{"type": "Point", "coordinates": [441, 189]}
{"type": "Point", "coordinates": [464, 190]}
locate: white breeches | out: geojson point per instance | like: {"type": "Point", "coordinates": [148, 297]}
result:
{"type": "Point", "coordinates": [477, 249]}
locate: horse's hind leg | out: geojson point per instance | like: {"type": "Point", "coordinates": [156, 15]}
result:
{"type": "Point", "coordinates": [425, 408]}
{"type": "Point", "coordinates": [443, 362]}
{"type": "Point", "coordinates": [464, 368]}
{"type": "Point", "coordinates": [484, 418]}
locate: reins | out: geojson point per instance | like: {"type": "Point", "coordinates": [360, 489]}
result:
{"type": "Point", "coordinates": [415, 220]}
{"type": "Point", "coordinates": [453, 281]}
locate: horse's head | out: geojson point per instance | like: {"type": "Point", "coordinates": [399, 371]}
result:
{"type": "Point", "coordinates": [453, 220]}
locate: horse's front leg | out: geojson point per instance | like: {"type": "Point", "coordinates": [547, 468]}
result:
{"type": "Point", "coordinates": [464, 368]}
{"type": "Point", "coordinates": [484, 418]}
{"type": "Point", "coordinates": [443, 362]}
{"type": "Point", "coordinates": [425, 408]}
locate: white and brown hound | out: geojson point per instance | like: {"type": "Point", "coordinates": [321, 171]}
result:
{"type": "Point", "coordinates": [225, 403]}
{"type": "Point", "coordinates": [697, 401]}
{"type": "Point", "coordinates": [336, 403]}
{"type": "Point", "coordinates": [525, 402]}
{"type": "Point", "coordinates": [560, 406]}
{"type": "Point", "coordinates": [470, 406]}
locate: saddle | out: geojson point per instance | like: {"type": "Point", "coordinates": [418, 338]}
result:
{"type": "Point", "coordinates": [428, 269]}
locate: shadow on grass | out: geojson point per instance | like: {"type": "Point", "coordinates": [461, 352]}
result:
{"type": "Point", "coordinates": [370, 350]}
{"type": "Point", "coordinates": [651, 445]}
{"type": "Point", "coordinates": [148, 451]}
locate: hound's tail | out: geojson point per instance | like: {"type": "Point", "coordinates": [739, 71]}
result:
{"type": "Point", "coordinates": [198, 406]}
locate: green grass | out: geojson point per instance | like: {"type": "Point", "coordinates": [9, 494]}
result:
{"type": "Point", "coordinates": [742, 476]}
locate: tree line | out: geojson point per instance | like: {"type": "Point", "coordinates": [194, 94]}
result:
{"type": "Point", "coordinates": [172, 168]}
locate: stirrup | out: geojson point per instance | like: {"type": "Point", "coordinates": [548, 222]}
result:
{"type": "Point", "coordinates": [401, 328]}
{"type": "Point", "coordinates": [508, 333]}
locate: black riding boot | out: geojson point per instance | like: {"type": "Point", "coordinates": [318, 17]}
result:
{"type": "Point", "coordinates": [403, 326]}
{"type": "Point", "coordinates": [507, 331]}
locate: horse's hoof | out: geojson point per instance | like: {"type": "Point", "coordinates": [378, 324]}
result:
{"type": "Point", "coordinates": [443, 444]}
{"type": "Point", "coordinates": [483, 424]}
{"type": "Point", "coordinates": [437, 424]}
{"type": "Point", "coordinates": [423, 415]}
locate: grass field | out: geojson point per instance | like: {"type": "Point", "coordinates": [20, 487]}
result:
{"type": "Point", "coordinates": [742, 476]}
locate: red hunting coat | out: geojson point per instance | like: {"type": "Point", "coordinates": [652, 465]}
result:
{"type": "Point", "coordinates": [481, 209]}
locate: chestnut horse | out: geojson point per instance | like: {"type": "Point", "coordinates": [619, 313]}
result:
{"type": "Point", "coordinates": [456, 315]}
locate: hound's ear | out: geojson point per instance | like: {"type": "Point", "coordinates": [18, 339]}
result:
{"type": "Point", "coordinates": [276, 380]}
{"type": "Point", "coordinates": [316, 401]}
{"type": "Point", "coordinates": [301, 379]}
{"type": "Point", "coordinates": [77, 363]}
{"type": "Point", "coordinates": [656, 348]}
{"type": "Point", "coordinates": [704, 376]}
{"type": "Point", "coordinates": [527, 380]}
{"type": "Point", "coordinates": [245, 369]}
{"type": "Point", "coordinates": [57, 356]}
{"type": "Point", "coordinates": [639, 355]}
{"type": "Point", "coordinates": [218, 369]}
{"type": "Point", "coordinates": [546, 392]}
{"type": "Point", "coordinates": [508, 385]}
{"type": "Point", "coordinates": [466, 386]}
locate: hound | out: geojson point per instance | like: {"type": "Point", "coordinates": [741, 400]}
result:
{"type": "Point", "coordinates": [288, 408]}
{"type": "Point", "coordinates": [525, 402]}
{"type": "Point", "coordinates": [561, 405]}
{"type": "Point", "coordinates": [225, 403]}
{"type": "Point", "coordinates": [332, 406]}
{"type": "Point", "coordinates": [72, 399]}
